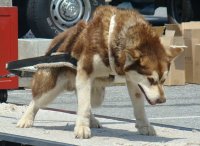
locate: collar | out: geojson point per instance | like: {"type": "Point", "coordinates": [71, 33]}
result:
{"type": "Point", "coordinates": [110, 57]}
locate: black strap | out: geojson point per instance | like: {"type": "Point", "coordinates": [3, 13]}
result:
{"type": "Point", "coordinates": [54, 49]}
{"type": "Point", "coordinates": [14, 66]}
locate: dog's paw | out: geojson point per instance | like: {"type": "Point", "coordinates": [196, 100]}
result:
{"type": "Point", "coordinates": [146, 130]}
{"type": "Point", "coordinates": [25, 123]}
{"type": "Point", "coordinates": [94, 123]}
{"type": "Point", "coordinates": [82, 132]}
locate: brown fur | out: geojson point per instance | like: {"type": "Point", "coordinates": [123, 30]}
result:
{"type": "Point", "coordinates": [93, 38]}
{"type": "Point", "coordinates": [118, 42]}
{"type": "Point", "coordinates": [86, 39]}
{"type": "Point", "coordinates": [45, 79]}
{"type": "Point", "coordinates": [67, 38]}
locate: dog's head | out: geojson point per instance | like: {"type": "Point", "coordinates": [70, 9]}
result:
{"type": "Point", "coordinates": [148, 69]}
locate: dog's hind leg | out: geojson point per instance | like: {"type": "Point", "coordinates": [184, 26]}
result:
{"type": "Point", "coordinates": [137, 98]}
{"type": "Point", "coordinates": [94, 123]}
{"type": "Point", "coordinates": [97, 96]}
{"type": "Point", "coordinates": [98, 90]}
{"type": "Point", "coordinates": [27, 119]}
{"type": "Point", "coordinates": [42, 95]}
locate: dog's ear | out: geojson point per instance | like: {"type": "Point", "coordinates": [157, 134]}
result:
{"type": "Point", "coordinates": [174, 51]}
{"type": "Point", "coordinates": [131, 56]}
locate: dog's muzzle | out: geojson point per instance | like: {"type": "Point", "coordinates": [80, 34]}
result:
{"type": "Point", "coordinates": [161, 100]}
{"type": "Point", "coordinates": [158, 101]}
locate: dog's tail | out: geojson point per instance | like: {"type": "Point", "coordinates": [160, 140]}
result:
{"type": "Point", "coordinates": [64, 41]}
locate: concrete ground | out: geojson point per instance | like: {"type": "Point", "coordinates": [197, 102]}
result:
{"type": "Point", "coordinates": [181, 109]}
{"type": "Point", "coordinates": [51, 126]}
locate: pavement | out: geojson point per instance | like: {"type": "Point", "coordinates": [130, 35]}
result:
{"type": "Point", "coordinates": [57, 129]}
{"type": "Point", "coordinates": [181, 109]}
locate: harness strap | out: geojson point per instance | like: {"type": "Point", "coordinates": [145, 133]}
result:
{"type": "Point", "coordinates": [54, 49]}
{"type": "Point", "coordinates": [19, 67]}
{"type": "Point", "coordinates": [110, 57]}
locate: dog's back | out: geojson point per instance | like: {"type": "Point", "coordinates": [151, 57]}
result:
{"type": "Point", "coordinates": [64, 41]}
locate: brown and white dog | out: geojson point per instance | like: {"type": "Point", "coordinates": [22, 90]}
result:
{"type": "Point", "coordinates": [113, 42]}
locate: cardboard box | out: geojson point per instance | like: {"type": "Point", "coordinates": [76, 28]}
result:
{"type": "Point", "coordinates": [176, 74]}
{"type": "Point", "coordinates": [191, 33]}
{"type": "Point", "coordinates": [190, 25]}
{"type": "Point", "coordinates": [173, 36]}
{"type": "Point", "coordinates": [196, 73]}
{"type": "Point", "coordinates": [174, 27]}
{"type": "Point", "coordinates": [191, 38]}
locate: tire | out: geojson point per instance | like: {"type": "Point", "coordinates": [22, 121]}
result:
{"type": "Point", "coordinates": [195, 7]}
{"type": "Point", "coordinates": [179, 11]}
{"type": "Point", "coordinates": [3, 96]}
{"type": "Point", "coordinates": [23, 26]}
{"type": "Point", "coordinates": [47, 18]}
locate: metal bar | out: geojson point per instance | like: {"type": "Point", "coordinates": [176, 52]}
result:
{"type": "Point", "coordinates": [29, 140]}
{"type": "Point", "coordinates": [7, 76]}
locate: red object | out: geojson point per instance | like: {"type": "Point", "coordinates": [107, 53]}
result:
{"type": "Point", "coordinates": [8, 44]}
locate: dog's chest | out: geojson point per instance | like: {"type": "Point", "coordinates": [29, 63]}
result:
{"type": "Point", "coordinates": [99, 68]}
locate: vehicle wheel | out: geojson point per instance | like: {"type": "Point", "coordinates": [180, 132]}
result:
{"type": "Point", "coordinates": [195, 7]}
{"type": "Point", "coordinates": [49, 17]}
{"type": "Point", "coordinates": [3, 96]}
{"type": "Point", "coordinates": [179, 11]}
{"type": "Point", "coordinates": [23, 27]}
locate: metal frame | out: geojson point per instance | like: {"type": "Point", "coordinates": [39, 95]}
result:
{"type": "Point", "coordinates": [6, 139]}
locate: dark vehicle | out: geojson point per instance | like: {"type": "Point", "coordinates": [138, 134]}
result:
{"type": "Point", "coordinates": [46, 18]}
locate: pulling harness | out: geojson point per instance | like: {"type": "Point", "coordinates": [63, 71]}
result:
{"type": "Point", "coordinates": [27, 67]}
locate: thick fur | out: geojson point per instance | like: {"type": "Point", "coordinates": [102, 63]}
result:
{"type": "Point", "coordinates": [118, 42]}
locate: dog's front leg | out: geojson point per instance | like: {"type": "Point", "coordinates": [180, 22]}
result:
{"type": "Point", "coordinates": [137, 98]}
{"type": "Point", "coordinates": [83, 86]}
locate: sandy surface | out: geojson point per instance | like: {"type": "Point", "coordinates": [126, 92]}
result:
{"type": "Point", "coordinates": [57, 126]}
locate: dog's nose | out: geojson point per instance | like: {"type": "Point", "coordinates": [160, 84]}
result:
{"type": "Point", "coordinates": [161, 100]}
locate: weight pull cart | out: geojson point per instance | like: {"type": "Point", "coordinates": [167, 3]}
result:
{"type": "Point", "coordinates": [27, 67]}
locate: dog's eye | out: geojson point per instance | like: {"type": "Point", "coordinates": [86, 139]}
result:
{"type": "Point", "coordinates": [162, 81]}
{"type": "Point", "coordinates": [152, 81]}
{"type": "Point", "coordinates": [144, 71]}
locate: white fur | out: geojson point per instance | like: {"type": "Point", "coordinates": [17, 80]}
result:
{"type": "Point", "coordinates": [27, 119]}
{"type": "Point", "coordinates": [99, 68]}
{"type": "Point", "coordinates": [155, 76]}
{"type": "Point", "coordinates": [111, 58]}
{"type": "Point", "coordinates": [152, 91]}
{"type": "Point", "coordinates": [165, 74]}
{"type": "Point", "coordinates": [101, 73]}
{"type": "Point", "coordinates": [39, 102]}
{"type": "Point", "coordinates": [84, 88]}
{"type": "Point", "coordinates": [142, 123]}
{"type": "Point", "coordinates": [135, 77]}
{"type": "Point", "coordinates": [90, 91]}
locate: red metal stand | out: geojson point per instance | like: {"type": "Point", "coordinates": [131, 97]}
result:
{"type": "Point", "coordinates": [8, 44]}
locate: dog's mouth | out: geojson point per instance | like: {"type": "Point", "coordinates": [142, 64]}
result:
{"type": "Point", "coordinates": [148, 100]}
